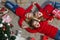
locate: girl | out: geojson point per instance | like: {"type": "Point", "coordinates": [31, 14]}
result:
{"type": "Point", "coordinates": [18, 10]}
{"type": "Point", "coordinates": [43, 27]}
{"type": "Point", "coordinates": [50, 11]}
{"type": "Point", "coordinates": [47, 11]}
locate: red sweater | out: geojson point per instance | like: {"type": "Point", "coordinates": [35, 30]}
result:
{"type": "Point", "coordinates": [21, 11]}
{"type": "Point", "coordinates": [47, 10]}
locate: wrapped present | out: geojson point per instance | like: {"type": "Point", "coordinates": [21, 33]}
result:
{"type": "Point", "coordinates": [3, 10]}
{"type": "Point", "coordinates": [6, 18]}
{"type": "Point", "coordinates": [56, 13]}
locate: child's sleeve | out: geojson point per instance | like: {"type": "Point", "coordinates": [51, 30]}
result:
{"type": "Point", "coordinates": [29, 8]}
{"type": "Point", "coordinates": [21, 21]}
{"type": "Point", "coordinates": [38, 6]}
{"type": "Point", "coordinates": [50, 18]}
{"type": "Point", "coordinates": [31, 30]}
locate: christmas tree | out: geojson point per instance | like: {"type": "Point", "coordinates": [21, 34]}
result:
{"type": "Point", "coordinates": [5, 33]}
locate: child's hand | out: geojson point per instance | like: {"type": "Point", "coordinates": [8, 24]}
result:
{"type": "Point", "coordinates": [24, 25]}
{"type": "Point", "coordinates": [34, 3]}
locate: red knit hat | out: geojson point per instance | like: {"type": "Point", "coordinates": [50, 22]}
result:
{"type": "Point", "coordinates": [20, 11]}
